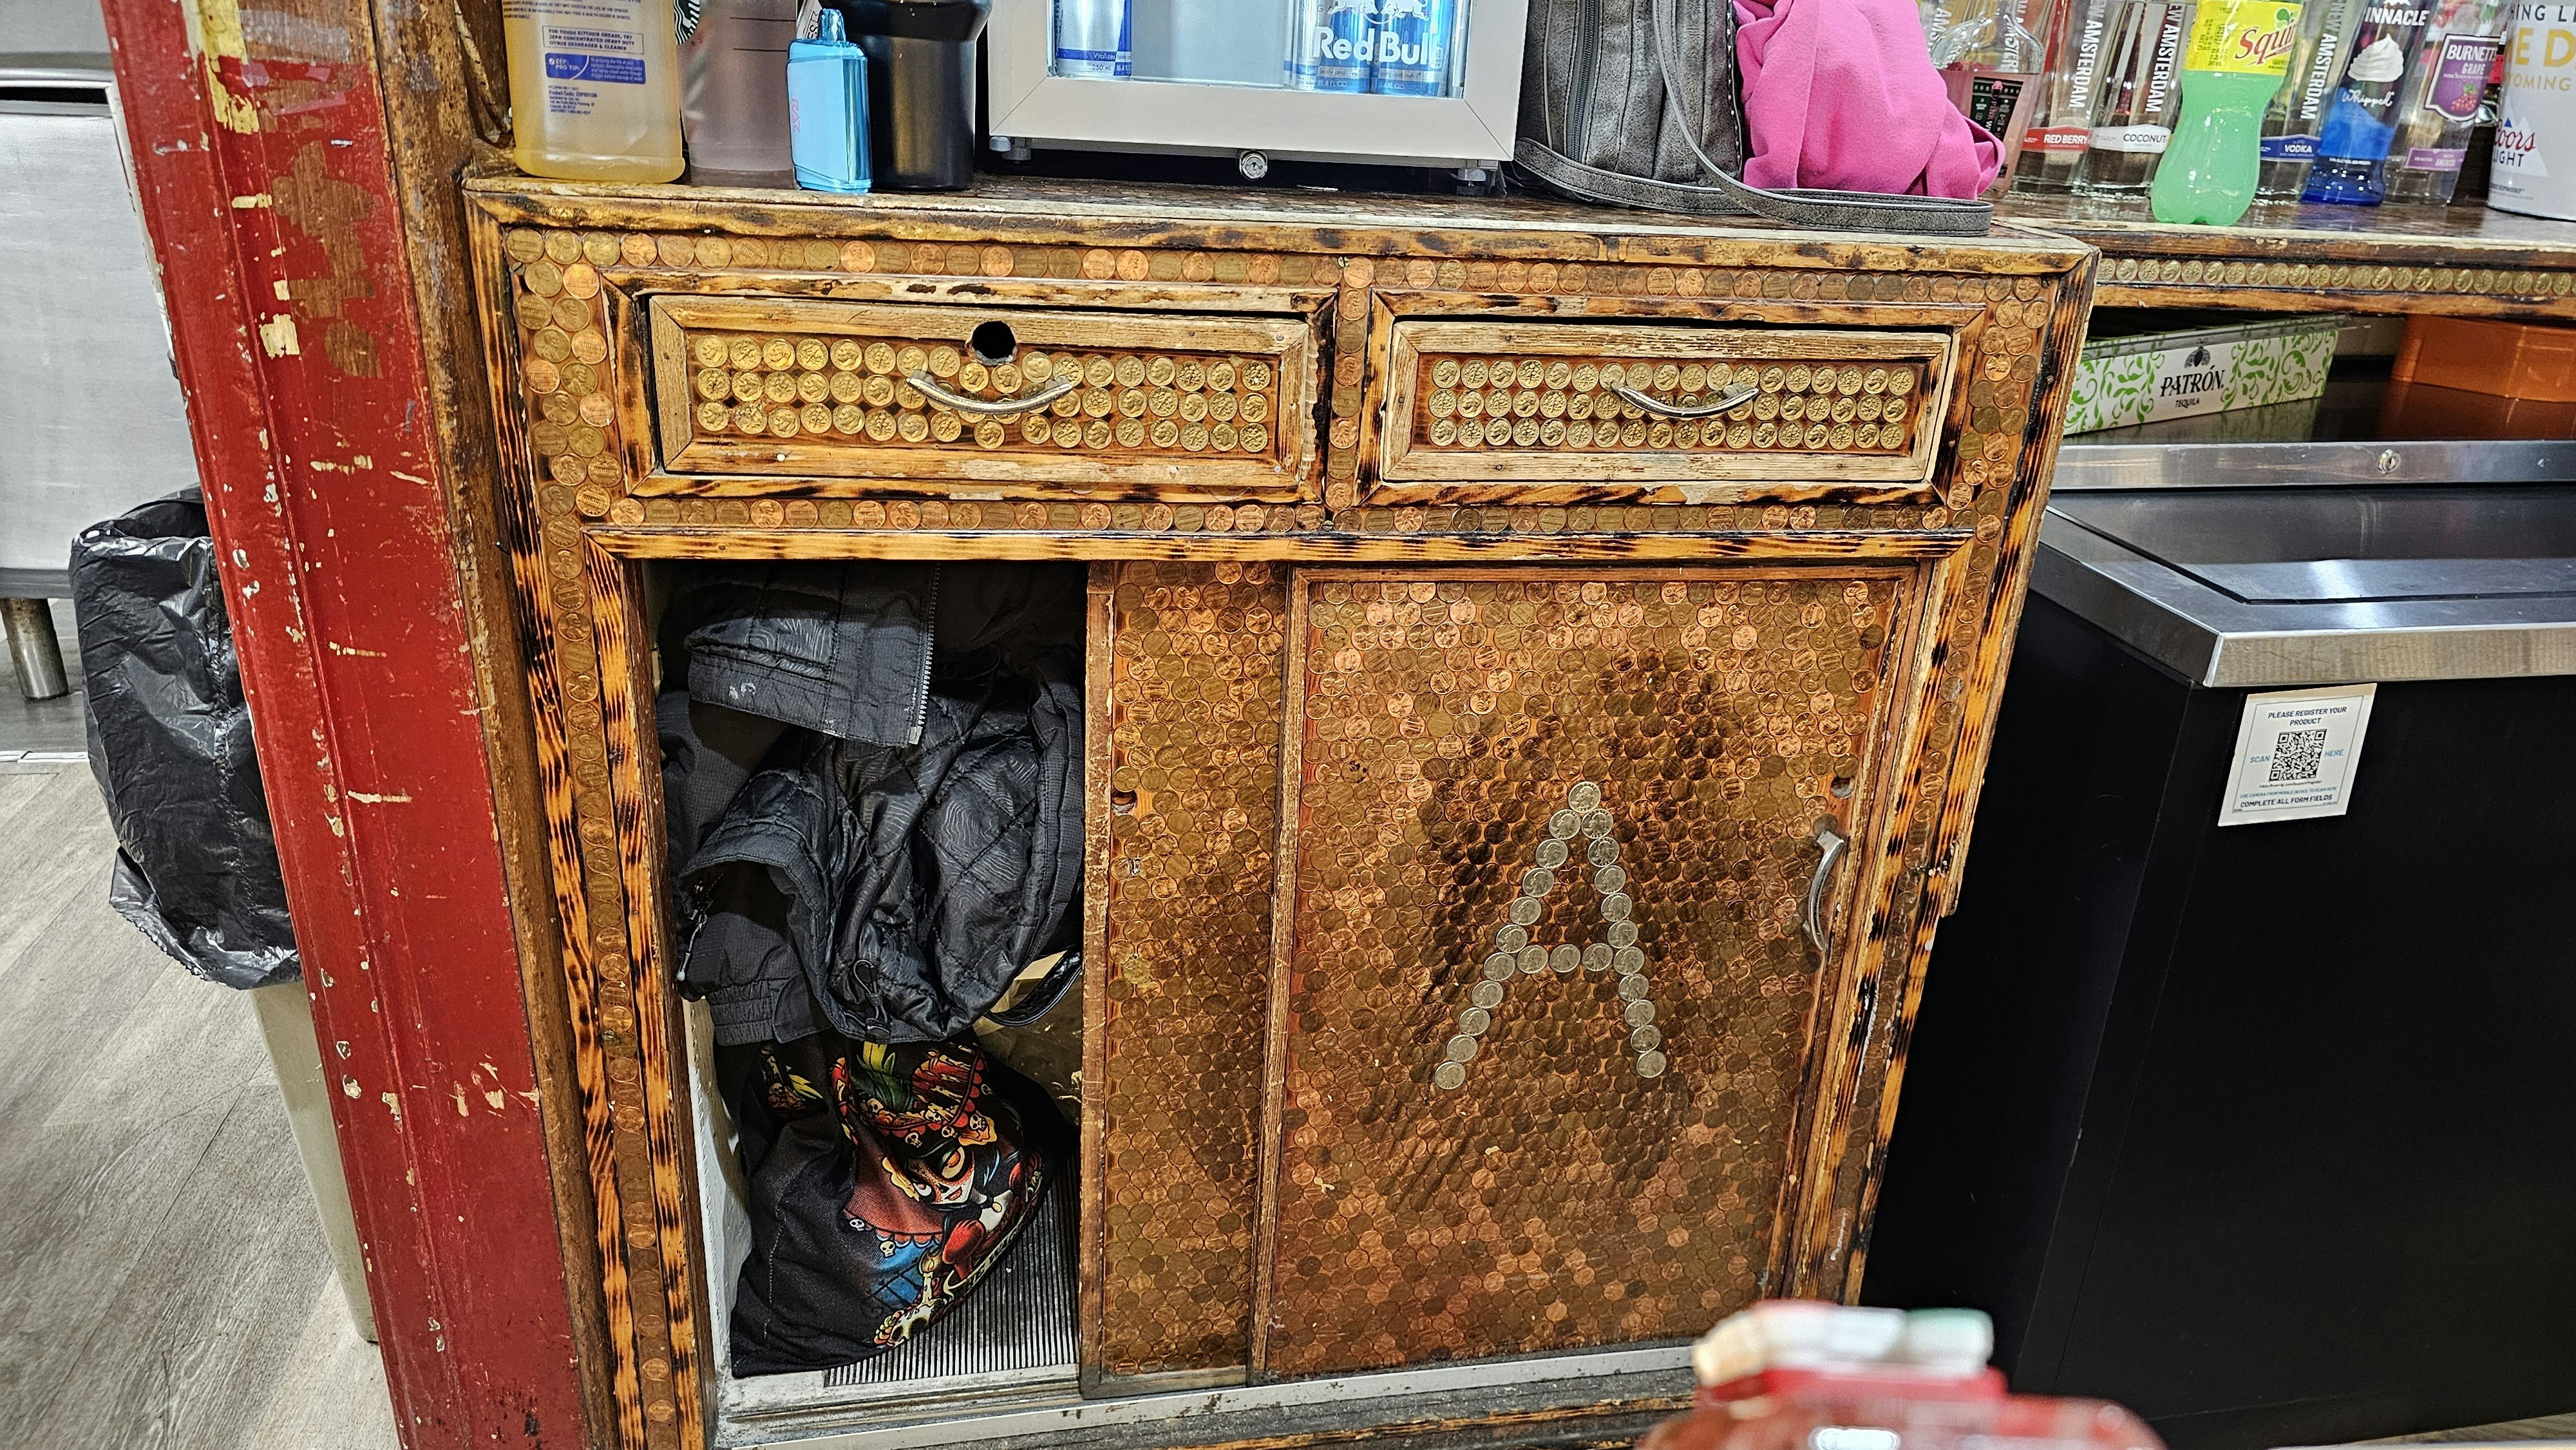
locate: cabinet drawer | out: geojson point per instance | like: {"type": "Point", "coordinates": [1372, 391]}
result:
{"type": "Point", "coordinates": [1043, 400]}
{"type": "Point", "coordinates": [1663, 403]}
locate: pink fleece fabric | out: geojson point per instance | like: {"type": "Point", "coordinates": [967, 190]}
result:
{"type": "Point", "coordinates": [1842, 94]}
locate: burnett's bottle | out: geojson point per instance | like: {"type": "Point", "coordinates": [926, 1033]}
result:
{"type": "Point", "coordinates": [2061, 121]}
{"type": "Point", "coordinates": [2441, 104]}
{"type": "Point", "coordinates": [594, 88]}
{"type": "Point", "coordinates": [2298, 113]}
{"type": "Point", "coordinates": [2133, 112]}
{"type": "Point", "coordinates": [2239, 51]}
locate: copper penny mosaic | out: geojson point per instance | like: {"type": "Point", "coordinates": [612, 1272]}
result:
{"type": "Point", "coordinates": [1197, 652]}
{"type": "Point", "coordinates": [1582, 404]}
{"type": "Point", "coordinates": [1606, 1172]}
{"type": "Point", "coordinates": [862, 391]}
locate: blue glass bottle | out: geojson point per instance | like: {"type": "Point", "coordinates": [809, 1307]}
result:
{"type": "Point", "coordinates": [827, 108]}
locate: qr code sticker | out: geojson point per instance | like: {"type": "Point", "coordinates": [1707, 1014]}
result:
{"type": "Point", "coordinates": [2296, 755]}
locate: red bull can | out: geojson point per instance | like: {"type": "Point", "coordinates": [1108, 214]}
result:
{"type": "Point", "coordinates": [1331, 44]}
{"type": "Point", "coordinates": [1416, 41]}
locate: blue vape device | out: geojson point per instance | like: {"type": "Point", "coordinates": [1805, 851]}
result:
{"type": "Point", "coordinates": [827, 108]}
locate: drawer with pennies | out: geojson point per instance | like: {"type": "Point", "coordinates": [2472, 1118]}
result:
{"type": "Point", "coordinates": [1707, 412]}
{"type": "Point", "coordinates": [1033, 400]}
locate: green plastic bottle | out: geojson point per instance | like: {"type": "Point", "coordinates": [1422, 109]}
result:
{"type": "Point", "coordinates": [2232, 67]}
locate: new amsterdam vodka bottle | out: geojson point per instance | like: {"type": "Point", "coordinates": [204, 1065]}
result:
{"type": "Point", "coordinates": [1093, 40]}
{"type": "Point", "coordinates": [2133, 117]}
{"type": "Point", "coordinates": [2061, 123]}
{"type": "Point", "coordinates": [2361, 121]}
{"type": "Point", "coordinates": [1415, 39]}
{"type": "Point", "coordinates": [1331, 44]}
{"type": "Point", "coordinates": [2441, 104]}
{"type": "Point", "coordinates": [2299, 112]}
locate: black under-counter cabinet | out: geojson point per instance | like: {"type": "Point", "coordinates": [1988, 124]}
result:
{"type": "Point", "coordinates": [2266, 1130]}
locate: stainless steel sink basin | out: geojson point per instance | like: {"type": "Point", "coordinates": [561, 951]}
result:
{"type": "Point", "coordinates": [2324, 585]}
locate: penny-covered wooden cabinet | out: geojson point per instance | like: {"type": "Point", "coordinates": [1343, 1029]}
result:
{"type": "Point", "coordinates": [1540, 662]}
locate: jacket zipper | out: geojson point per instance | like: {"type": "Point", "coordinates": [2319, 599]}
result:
{"type": "Point", "coordinates": [929, 650]}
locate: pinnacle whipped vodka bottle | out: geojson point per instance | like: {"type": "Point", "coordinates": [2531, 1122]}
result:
{"type": "Point", "coordinates": [1415, 40]}
{"type": "Point", "coordinates": [2362, 120]}
{"type": "Point", "coordinates": [1093, 40]}
{"type": "Point", "coordinates": [1331, 44]}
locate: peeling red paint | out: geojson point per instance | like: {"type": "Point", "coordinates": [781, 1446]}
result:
{"type": "Point", "coordinates": [455, 1208]}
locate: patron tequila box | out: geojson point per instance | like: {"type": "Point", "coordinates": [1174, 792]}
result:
{"type": "Point", "coordinates": [2150, 376]}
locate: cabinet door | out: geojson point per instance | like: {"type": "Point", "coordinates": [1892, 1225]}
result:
{"type": "Point", "coordinates": [1546, 1018]}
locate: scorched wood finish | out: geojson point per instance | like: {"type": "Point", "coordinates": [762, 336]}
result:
{"type": "Point", "coordinates": [1512, 859]}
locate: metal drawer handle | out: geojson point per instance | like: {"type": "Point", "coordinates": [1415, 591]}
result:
{"type": "Point", "coordinates": [1832, 843]}
{"type": "Point", "coordinates": [923, 384]}
{"type": "Point", "coordinates": [1734, 397]}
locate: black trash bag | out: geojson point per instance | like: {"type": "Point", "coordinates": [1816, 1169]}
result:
{"type": "Point", "coordinates": [170, 742]}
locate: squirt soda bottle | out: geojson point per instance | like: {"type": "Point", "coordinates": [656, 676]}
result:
{"type": "Point", "coordinates": [2232, 66]}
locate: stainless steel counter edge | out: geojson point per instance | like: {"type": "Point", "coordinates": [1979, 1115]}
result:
{"type": "Point", "coordinates": [2085, 466]}
{"type": "Point", "coordinates": [2073, 570]}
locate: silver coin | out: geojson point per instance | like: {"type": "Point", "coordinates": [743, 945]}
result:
{"type": "Point", "coordinates": [1596, 957]}
{"type": "Point", "coordinates": [1650, 1064]}
{"type": "Point", "coordinates": [1639, 1012]}
{"type": "Point", "coordinates": [1461, 1048]}
{"type": "Point", "coordinates": [1511, 938]}
{"type": "Point", "coordinates": [1602, 852]}
{"type": "Point", "coordinates": [1551, 854]}
{"type": "Point", "coordinates": [1632, 987]}
{"type": "Point", "coordinates": [1449, 1077]}
{"type": "Point", "coordinates": [1524, 911]}
{"type": "Point", "coordinates": [1596, 822]}
{"type": "Point", "coordinates": [1533, 960]}
{"type": "Point", "coordinates": [1614, 906]}
{"type": "Point", "coordinates": [1489, 995]}
{"type": "Point", "coordinates": [1606, 879]}
{"type": "Point", "coordinates": [1564, 824]}
{"type": "Point", "coordinates": [1566, 957]}
{"type": "Point", "coordinates": [1628, 959]}
{"type": "Point", "coordinates": [1499, 966]}
{"type": "Point", "coordinates": [1537, 881]}
{"type": "Point", "coordinates": [1475, 1020]}
{"type": "Point", "coordinates": [1623, 933]}
{"type": "Point", "coordinates": [1645, 1039]}
{"type": "Point", "coordinates": [1584, 796]}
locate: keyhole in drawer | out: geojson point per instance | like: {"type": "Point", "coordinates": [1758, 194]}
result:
{"type": "Point", "coordinates": [993, 343]}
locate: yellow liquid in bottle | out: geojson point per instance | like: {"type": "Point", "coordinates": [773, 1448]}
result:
{"type": "Point", "coordinates": [594, 88]}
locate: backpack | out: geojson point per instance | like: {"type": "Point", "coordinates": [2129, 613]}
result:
{"type": "Point", "coordinates": [1606, 117]}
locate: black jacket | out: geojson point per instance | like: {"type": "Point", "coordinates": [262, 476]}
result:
{"type": "Point", "coordinates": [889, 889]}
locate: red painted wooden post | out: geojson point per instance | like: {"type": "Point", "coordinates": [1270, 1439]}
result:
{"type": "Point", "coordinates": [269, 191]}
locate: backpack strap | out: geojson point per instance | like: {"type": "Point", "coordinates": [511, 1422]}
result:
{"type": "Point", "coordinates": [1853, 211]}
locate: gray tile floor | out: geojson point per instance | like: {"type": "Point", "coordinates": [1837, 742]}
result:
{"type": "Point", "coordinates": [51, 726]}
{"type": "Point", "coordinates": [163, 1279]}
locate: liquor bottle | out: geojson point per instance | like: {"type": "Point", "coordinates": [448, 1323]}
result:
{"type": "Point", "coordinates": [2231, 69]}
{"type": "Point", "coordinates": [1093, 40]}
{"type": "Point", "coordinates": [2061, 121]}
{"type": "Point", "coordinates": [2298, 113]}
{"type": "Point", "coordinates": [2133, 113]}
{"type": "Point", "coordinates": [594, 88]}
{"type": "Point", "coordinates": [1331, 44]}
{"type": "Point", "coordinates": [2361, 121]}
{"type": "Point", "coordinates": [2441, 106]}
{"type": "Point", "coordinates": [1990, 64]}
